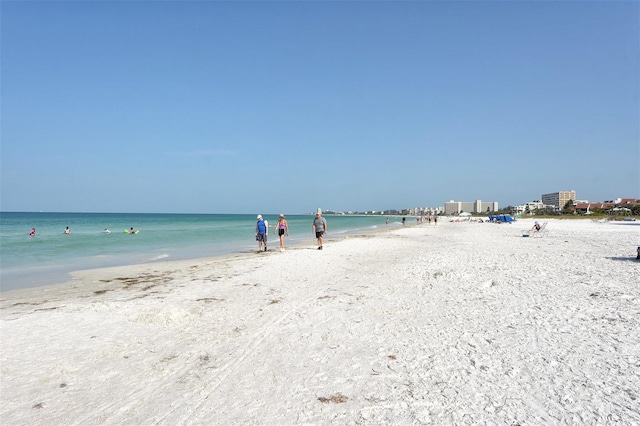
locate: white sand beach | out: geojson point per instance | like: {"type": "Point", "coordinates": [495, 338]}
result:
{"type": "Point", "coordinates": [459, 323]}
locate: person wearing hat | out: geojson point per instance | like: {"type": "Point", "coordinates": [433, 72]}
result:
{"type": "Point", "coordinates": [262, 228]}
{"type": "Point", "coordinates": [536, 228]}
{"type": "Point", "coordinates": [281, 229]}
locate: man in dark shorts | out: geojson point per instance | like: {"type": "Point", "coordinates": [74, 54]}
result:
{"type": "Point", "coordinates": [262, 229]}
{"type": "Point", "coordinates": [319, 227]}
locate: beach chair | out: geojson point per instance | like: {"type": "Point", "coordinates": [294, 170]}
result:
{"type": "Point", "coordinates": [542, 231]}
{"type": "Point", "coordinates": [536, 234]}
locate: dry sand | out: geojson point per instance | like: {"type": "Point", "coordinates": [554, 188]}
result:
{"type": "Point", "coordinates": [456, 323]}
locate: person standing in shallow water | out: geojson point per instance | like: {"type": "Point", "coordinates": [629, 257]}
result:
{"type": "Point", "coordinates": [281, 229]}
{"type": "Point", "coordinates": [320, 228]}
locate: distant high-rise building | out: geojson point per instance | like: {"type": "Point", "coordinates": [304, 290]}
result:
{"type": "Point", "coordinates": [558, 199]}
{"type": "Point", "coordinates": [452, 207]}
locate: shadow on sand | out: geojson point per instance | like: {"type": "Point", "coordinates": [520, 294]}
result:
{"type": "Point", "coordinates": [628, 259]}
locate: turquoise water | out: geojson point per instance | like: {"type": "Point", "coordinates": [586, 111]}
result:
{"type": "Point", "coordinates": [48, 257]}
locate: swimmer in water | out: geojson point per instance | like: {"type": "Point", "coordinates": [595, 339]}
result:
{"type": "Point", "coordinates": [32, 233]}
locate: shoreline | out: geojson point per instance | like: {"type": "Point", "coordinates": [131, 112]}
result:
{"type": "Point", "coordinates": [454, 323]}
{"type": "Point", "coordinates": [68, 277]}
{"type": "Point", "coordinates": [25, 276]}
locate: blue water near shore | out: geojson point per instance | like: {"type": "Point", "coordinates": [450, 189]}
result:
{"type": "Point", "coordinates": [48, 257]}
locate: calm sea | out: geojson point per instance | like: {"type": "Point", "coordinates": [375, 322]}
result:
{"type": "Point", "coordinates": [48, 257]}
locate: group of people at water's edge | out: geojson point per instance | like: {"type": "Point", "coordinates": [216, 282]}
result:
{"type": "Point", "coordinates": [281, 229]}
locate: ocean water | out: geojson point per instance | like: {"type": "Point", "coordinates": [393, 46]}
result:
{"type": "Point", "coordinates": [48, 257]}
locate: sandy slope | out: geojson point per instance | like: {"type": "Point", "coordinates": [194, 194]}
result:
{"type": "Point", "coordinates": [460, 323]}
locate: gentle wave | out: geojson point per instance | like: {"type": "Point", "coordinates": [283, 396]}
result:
{"type": "Point", "coordinates": [162, 256]}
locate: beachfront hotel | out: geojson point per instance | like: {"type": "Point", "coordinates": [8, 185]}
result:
{"type": "Point", "coordinates": [531, 206]}
{"type": "Point", "coordinates": [454, 207]}
{"type": "Point", "coordinates": [558, 199]}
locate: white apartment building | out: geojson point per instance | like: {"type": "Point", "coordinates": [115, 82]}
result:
{"type": "Point", "coordinates": [530, 206]}
{"type": "Point", "coordinates": [455, 207]}
{"type": "Point", "coordinates": [425, 211]}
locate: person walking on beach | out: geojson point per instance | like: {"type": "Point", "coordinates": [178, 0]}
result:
{"type": "Point", "coordinates": [262, 228]}
{"type": "Point", "coordinates": [435, 220]}
{"type": "Point", "coordinates": [319, 227]}
{"type": "Point", "coordinates": [281, 229]}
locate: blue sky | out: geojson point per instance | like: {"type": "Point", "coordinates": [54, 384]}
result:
{"type": "Point", "coordinates": [238, 107]}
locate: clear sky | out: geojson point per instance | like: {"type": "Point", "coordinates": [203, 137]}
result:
{"type": "Point", "coordinates": [244, 107]}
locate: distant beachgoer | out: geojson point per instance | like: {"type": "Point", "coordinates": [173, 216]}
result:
{"type": "Point", "coordinates": [535, 228]}
{"type": "Point", "coordinates": [67, 231]}
{"type": "Point", "coordinates": [281, 229]}
{"type": "Point", "coordinates": [429, 219]}
{"type": "Point", "coordinates": [132, 231]}
{"type": "Point", "coordinates": [435, 220]}
{"type": "Point", "coordinates": [404, 220]}
{"type": "Point", "coordinates": [320, 228]}
{"type": "Point", "coordinates": [262, 228]}
{"type": "Point", "coordinates": [32, 233]}
{"type": "Point", "coordinates": [386, 222]}
{"type": "Point", "coordinates": [106, 231]}
{"type": "Point", "coordinates": [638, 251]}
